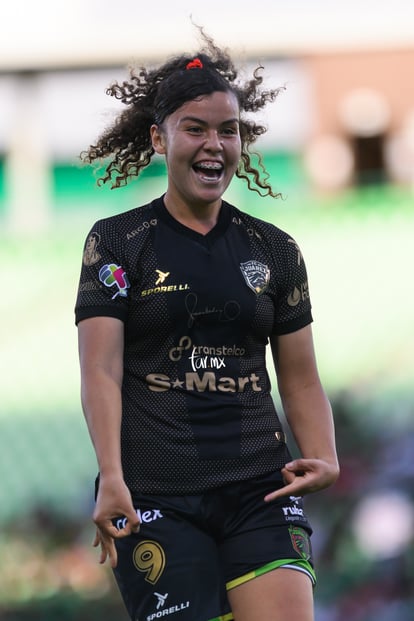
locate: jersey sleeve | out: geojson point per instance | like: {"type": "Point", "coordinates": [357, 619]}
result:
{"type": "Point", "coordinates": [104, 283]}
{"type": "Point", "coordinates": [293, 305]}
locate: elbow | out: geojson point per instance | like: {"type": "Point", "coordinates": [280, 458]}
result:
{"type": "Point", "coordinates": [334, 472]}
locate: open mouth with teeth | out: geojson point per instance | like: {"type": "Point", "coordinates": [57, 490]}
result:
{"type": "Point", "coordinates": [210, 171]}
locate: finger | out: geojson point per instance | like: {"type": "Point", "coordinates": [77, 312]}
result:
{"type": "Point", "coordinates": [298, 467]}
{"type": "Point", "coordinates": [103, 554]}
{"type": "Point", "coordinates": [297, 488]}
{"type": "Point", "coordinates": [300, 487]}
{"type": "Point", "coordinates": [112, 554]}
{"type": "Point", "coordinates": [132, 525]}
{"type": "Point", "coordinates": [96, 540]}
{"type": "Point", "coordinates": [134, 522]}
{"type": "Point", "coordinates": [288, 476]}
{"type": "Point", "coordinates": [107, 548]}
{"type": "Point", "coordinates": [108, 551]}
{"type": "Point", "coordinates": [107, 529]}
{"type": "Point", "coordinates": [126, 531]}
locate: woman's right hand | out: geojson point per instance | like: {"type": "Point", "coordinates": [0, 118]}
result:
{"type": "Point", "coordinates": [113, 501]}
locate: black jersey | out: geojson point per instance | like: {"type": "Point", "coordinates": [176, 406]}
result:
{"type": "Point", "coordinates": [198, 311]}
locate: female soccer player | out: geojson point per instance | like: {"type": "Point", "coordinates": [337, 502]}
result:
{"type": "Point", "coordinates": [198, 502]}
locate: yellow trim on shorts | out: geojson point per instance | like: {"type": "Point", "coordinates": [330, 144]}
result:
{"type": "Point", "coordinates": [227, 617]}
{"type": "Point", "coordinates": [291, 563]}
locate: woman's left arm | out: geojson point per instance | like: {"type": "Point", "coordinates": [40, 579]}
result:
{"type": "Point", "coordinates": [308, 413]}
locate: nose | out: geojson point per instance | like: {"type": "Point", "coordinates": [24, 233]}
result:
{"type": "Point", "coordinates": [213, 141]}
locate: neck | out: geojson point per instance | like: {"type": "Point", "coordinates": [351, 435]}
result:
{"type": "Point", "coordinates": [199, 218]}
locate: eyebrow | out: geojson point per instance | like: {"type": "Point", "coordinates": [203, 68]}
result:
{"type": "Point", "coordinates": [195, 119]}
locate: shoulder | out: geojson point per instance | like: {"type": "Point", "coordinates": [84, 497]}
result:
{"type": "Point", "coordinates": [122, 222]}
{"type": "Point", "coordinates": [269, 241]}
{"type": "Point", "coordinates": [122, 235]}
{"type": "Point", "coordinates": [125, 226]}
{"type": "Point", "coordinates": [260, 229]}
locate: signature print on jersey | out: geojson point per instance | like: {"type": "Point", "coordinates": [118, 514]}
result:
{"type": "Point", "coordinates": [230, 311]}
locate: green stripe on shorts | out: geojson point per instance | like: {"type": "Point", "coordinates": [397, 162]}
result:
{"type": "Point", "coordinates": [291, 563]}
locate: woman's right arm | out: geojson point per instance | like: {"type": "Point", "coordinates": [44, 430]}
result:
{"type": "Point", "coordinates": [101, 348]}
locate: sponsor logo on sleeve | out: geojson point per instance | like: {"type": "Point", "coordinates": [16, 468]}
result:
{"type": "Point", "coordinates": [300, 256]}
{"type": "Point", "coordinates": [143, 227]}
{"type": "Point", "coordinates": [112, 275]}
{"type": "Point", "coordinates": [90, 252]}
{"type": "Point", "coordinates": [298, 294]}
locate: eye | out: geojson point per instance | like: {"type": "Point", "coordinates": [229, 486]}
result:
{"type": "Point", "coordinates": [230, 131]}
{"type": "Point", "coordinates": [194, 129]}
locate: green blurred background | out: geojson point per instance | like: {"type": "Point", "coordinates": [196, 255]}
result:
{"type": "Point", "coordinates": [357, 248]}
{"type": "Point", "coordinates": [357, 240]}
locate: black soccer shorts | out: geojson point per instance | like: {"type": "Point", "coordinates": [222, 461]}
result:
{"type": "Point", "coordinates": [191, 550]}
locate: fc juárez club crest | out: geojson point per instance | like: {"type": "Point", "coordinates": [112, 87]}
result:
{"type": "Point", "coordinates": [256, 275]}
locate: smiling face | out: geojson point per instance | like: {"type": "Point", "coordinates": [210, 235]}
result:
{"type": "Point", "coordinates": [202, 147]}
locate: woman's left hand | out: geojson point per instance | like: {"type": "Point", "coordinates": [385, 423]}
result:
{"type": "Point", "coordinates": [304, 476]}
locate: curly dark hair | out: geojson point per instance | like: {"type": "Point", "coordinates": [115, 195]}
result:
{"type": "Point", "coordinates": [152, 95]}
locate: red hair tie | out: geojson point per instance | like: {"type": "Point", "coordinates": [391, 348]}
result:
{"type": "Point", "coordinates": [194, 64]}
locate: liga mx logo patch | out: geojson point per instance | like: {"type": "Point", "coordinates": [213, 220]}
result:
{"type": "Point", "coordinates": [256, 275]}
{"type": "Point", "coordinates": [114, 276]}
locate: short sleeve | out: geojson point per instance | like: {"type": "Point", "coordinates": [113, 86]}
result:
{"type": "Point", "coordinates": [104, 283]}
{"type": "Point", "coordinates": [293, 305]}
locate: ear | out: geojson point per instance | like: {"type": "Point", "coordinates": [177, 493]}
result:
{"type": "Point", "coordinates": [157, 139]}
